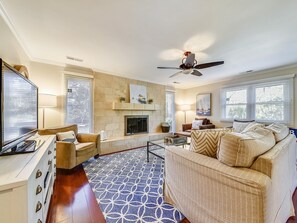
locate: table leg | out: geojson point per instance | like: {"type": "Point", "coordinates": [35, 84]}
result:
{"type": "Point", "coordinates": [147, 151]}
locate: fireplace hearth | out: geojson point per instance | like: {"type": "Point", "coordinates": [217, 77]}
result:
{"type": "Point", "coordinates": [136, 124]}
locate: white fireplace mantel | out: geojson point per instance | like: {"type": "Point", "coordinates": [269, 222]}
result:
{"type": "Point", "coordinates": [135, 107]}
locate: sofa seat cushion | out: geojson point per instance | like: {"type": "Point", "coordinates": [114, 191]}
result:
{"type": "Point", "coordinates": [205, 142]}
{"type": "Point", "coordinates": [242, 149]}
{"type": "Point", "coordinates": [83, 149]}
{"type": "Point", "coordinates": [280, 131]}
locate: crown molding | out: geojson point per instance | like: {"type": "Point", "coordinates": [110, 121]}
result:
{"type": "Point", "coordinates": [10, 25]}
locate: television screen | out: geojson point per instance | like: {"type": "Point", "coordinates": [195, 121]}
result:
{"type": "Point", "coordinates": [19, 106]}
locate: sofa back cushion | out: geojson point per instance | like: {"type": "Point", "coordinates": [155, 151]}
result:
{"type": "Point", "coordinates": [242, 149]}
{"type": "Point", "coordinates": [280, 131]}
{"type": "Point", "coordinates": [239, 125]}
{"type": "Point", "coordinates": [205, 142]}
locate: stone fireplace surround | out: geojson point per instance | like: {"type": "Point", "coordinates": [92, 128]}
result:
{"type": "Point", "coordinates": [107, 90]}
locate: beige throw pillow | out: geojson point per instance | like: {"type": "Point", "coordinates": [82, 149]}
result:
{"type": "Point", "coordinates": [242, 149]}
{"type": "Point", "coordinates": [280, 131]}
{"type": "Point", "coordinates": [206, 141]}
{"type": "Point", "coordinates": [239, 126]}
{"type": "Point", "coordinates": [67, 137]}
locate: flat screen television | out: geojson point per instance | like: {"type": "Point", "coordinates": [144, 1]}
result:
{"type": "Point", "coordinates": [19, 108]}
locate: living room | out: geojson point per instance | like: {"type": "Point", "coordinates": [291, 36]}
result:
{"type": "Point", "coordinates": [98, 73]}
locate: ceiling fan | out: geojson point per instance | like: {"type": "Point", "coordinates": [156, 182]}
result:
{"type": "Point", "coordinates": [189, 65]}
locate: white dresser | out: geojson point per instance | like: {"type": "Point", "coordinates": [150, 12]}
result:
{"type": "Point", "coordinates": [26, 184]}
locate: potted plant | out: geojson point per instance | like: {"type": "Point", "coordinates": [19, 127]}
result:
{"type": "Point", "coordinates": [150, 101]}
{"type": "Point", "coordinates": [166, 125]}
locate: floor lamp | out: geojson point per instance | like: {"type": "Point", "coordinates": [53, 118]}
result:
{"type": "Point", "coordinates": [46, 101]}
{"type": "Point", "coordinates": [185, 108]}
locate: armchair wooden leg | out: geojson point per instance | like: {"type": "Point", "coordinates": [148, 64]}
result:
{"type": "Point", "coordinates": [96, 156]}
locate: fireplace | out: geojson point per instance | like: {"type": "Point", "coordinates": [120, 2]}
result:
{"type": "Point", "coordinates": [136, 124]}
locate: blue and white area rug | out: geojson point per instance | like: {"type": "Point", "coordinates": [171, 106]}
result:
{"type": "Point", "coordinates": [128, 189]}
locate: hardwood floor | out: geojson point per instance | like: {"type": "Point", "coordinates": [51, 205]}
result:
{"type": "Point", "coordinates": [73, 200]}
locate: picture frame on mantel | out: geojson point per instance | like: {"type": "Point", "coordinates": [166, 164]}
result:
{"type": "Point", "coordinates": [138, 94]}
{"type": "Point", "coordinates": [203, 104]}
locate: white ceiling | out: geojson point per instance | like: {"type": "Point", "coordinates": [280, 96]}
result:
{"type": "Point", "coordinates": [132, 37]}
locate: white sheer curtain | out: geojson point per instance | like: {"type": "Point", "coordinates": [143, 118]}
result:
{"type": "Point", "coordinates": [170, 109]}
{"type": "Point", "coordinates": [79, 102]}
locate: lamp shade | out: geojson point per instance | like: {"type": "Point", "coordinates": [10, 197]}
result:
{"type": "Point", "coordinates": [47, 100]}
{"type": "Point", "coordinates": [185, 107]}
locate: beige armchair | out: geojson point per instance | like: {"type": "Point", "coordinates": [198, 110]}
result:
{"type": "Point", "coordinates": [69, 154]}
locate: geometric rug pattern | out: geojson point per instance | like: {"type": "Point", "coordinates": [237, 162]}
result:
{"type": "Point", "coordinates": [129, 189]}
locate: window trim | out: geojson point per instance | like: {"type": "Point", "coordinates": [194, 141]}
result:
{"type": "Point", "coordinates": [67, 76]}
{"type": "Point", "coordinates": [251, 98]}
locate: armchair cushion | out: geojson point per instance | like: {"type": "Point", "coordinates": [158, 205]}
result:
{"type": "Point", "coordinates": [67, 137]}
{"type": "Point", "coordinates": [83, 149]}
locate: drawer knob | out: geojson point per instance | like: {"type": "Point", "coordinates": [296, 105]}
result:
{"type": "Point", "coordinates": [49, 152]}
{"type": "Point", "coordinates": [55, 148]}
{"type": "Point", "coordinates": [39, 221]}
{"type": "Point", "coordinates": [38, 207]}
{"type": "Point", "coordinates": [38, 174]}
{"type": "Point", "coordinates": [55, 157]}
{"type": "Point", "coordinates": [49, 162]}
{"type": "Point", "coordinates": [38, 189]}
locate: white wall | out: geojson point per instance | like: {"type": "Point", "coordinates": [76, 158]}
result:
{"type": "Point", "coordinates": [188, 96]}
{"type": "Point", "coordinates": [49, 79]}
{"type": "Point", "coordinates": [10, 50]}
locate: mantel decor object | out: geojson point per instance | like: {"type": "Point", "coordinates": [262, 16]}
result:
{"type": "Point", "coordinates": [138, 94]}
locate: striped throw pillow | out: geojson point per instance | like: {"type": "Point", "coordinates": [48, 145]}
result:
{"type": "Point", "coordinates": [205, 141]}
{"type": "Point", "coordinates": [242, 149]}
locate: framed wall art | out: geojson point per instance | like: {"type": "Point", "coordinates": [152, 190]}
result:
{"type": "Point", "coordinates": [203, 104]}
{"type": "Point", "coordinates": [138, 94]}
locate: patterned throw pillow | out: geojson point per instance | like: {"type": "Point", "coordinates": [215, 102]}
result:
{"type": "Point", "coordinates": [205, 141]}
{"type": "Point", "coordinates": [196, 124]}
{"type": "Point", "coordinates": [67, 137]}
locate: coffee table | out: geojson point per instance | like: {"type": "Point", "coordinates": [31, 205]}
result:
{"type": "Point", "coordinates": [157, 147]}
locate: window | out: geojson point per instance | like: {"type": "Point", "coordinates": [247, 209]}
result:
{"type": "Point", "coordinates": [79, 103]}
{"type": "Point", "coordinates": [264, 102]}
{"type": "Point", "coordinates": [170, 109]}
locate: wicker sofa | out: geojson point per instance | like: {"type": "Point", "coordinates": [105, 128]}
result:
{"type": "Point", "coordinates": [206, 190]}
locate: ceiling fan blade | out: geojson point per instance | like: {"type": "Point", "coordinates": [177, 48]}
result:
{"type": "Point", "coordinates": [206, 65]}
{"type": "Point", "coordinates": [196, 73]}
{"type": "Point", "coordinates": [175, 68]}
{"type": "Point", "coordinates": [176, 74]}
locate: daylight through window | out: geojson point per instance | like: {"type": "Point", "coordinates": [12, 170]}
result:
{"type": "Point", "coordinates": [265, 102]}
